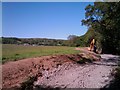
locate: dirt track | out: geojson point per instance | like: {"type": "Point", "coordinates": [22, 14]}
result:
{"type": "Point", "coordinates": [69, 75]}
{"type": "Point", "coordinates": [14, 73]}
{"type": "Point", "coordinates": [61, 71]}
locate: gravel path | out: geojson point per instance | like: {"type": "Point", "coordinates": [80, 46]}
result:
{"type": "Point", "coordinates": [72, 75]}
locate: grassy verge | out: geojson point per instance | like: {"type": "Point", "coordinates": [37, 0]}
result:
{"type": "Point", "coordinates": [16, 52]}
{"type": "Point", "coordinates": [115, 83]}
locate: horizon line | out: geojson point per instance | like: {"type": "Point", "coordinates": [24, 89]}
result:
{"type": "Point", "coordinates": [32, 37]}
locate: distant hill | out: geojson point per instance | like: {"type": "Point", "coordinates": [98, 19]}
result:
{"type": "Point", "coordinates": [33, 41]}
{"type": "Point", "coordinates": [74, 41]}
{"type": "Point", "coordinates": [85, 39]}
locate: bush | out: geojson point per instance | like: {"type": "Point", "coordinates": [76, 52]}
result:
{"type": "Point", "coordinates": [115, 83]}
{"type": "Point", "coordinates": [84, 60]}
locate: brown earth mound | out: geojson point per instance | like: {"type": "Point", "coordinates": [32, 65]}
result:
{"type": "Point", "coordinates": [14, 73]}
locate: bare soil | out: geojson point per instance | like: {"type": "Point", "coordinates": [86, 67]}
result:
{"type": "Point", "coordinates": [60, 71]}
{"type": "Point", "coordinates": [71, 75]}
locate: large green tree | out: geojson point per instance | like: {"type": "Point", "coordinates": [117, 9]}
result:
{"type": "Point", "coordinates": [104, 18]}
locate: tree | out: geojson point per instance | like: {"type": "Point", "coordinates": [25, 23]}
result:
{"type": "Point", "coordinates": [104, 18]}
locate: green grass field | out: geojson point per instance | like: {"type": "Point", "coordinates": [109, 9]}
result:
{"type": "Point", "coordinates": [16, 52]}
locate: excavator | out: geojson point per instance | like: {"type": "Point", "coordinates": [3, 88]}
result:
{"type": "Point", "coordinates": [92, 46]}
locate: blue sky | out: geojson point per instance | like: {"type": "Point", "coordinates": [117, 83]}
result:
{"type": "Point", "coordinates": [43, 19]}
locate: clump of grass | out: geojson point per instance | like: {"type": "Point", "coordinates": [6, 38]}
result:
{"type": "Point", "coordinates": [44, 87]}
{"type": "Point", "coordinates": [115, 83]}
{"type": "Point", "coordinates": [84, 60]}
{"type": "Point", "coordinates": [28, 84]}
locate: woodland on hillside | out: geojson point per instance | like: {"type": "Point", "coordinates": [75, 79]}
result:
{"type": "Point", "coordinates": [104, 19]}
{"type": "Point", "coordinates": [103, 22]}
